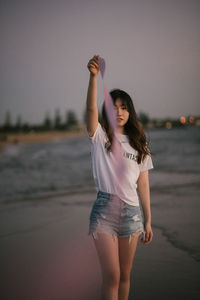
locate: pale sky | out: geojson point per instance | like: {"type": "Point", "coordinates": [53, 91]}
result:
{"type": "Point", "coordinates": [151, 49]}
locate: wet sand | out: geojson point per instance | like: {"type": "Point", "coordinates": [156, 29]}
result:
{"type": "Point", "coordinates": [46, 254]}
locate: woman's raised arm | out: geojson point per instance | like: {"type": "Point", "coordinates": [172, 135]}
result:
{"type": "Point", "coordinates": [91, 102]}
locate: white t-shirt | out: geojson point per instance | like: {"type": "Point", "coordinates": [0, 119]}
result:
{"type": "Point", "coordinates": [103, 167]}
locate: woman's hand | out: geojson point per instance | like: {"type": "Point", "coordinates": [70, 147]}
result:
{"type": "Point", "coordinates": [93, 65]}
{"type": "Point", "coordinates": [148, 234]}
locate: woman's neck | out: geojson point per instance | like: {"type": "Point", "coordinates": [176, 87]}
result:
{"type": "Point", "coordinates": [120, 130]}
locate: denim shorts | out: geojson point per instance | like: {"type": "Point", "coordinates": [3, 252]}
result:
{"type": "Point", "coordinates": [110, 214]}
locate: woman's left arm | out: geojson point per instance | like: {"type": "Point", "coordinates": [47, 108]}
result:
{"type": "Point", "coordinates": [144, 194]}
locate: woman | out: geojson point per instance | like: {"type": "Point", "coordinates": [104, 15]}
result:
{"type": "Point", "coordinates": [117, 220]}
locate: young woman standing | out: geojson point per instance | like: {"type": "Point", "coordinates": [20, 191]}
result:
{"type": "Point", "coordinates": [117, 220]}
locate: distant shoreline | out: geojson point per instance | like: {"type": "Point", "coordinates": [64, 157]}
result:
{"type": "Point", "coordinates": [37, 137]}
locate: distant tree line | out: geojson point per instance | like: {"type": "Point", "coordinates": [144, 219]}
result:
{"type": "Point", "coordinates": [57, 123]}
{"type": "Point", "coordinates": [70, 122]}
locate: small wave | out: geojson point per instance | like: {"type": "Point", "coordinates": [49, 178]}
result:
{"type": "Point", "coordinates": [175, 170]}
{"type": "Point", "coordinates": [171, 187]}
{"type": "Point", "coordinates": [39, 154]}
{"type": "Point", "coordinates": [12, 150]}
{"type": "Point", "coordinates": [71, 190]}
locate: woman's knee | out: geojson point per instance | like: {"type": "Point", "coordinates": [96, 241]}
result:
{"type": "Point", "coordinates": [111, 278]}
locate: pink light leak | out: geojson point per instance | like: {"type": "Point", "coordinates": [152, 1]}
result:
{"type": "Point", "coordinates": [111, 114]}
{"type": "Point", "coordinates": [70, 271]}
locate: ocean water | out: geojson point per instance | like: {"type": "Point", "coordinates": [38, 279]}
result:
{"type": "Point", "coordinates": [64, 165]}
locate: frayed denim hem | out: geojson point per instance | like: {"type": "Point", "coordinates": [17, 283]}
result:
{"type": "Point", "coordinates": [137, 232]}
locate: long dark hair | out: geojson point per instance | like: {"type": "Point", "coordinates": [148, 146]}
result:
{"type": "Point", "coordinates": [132, 128]}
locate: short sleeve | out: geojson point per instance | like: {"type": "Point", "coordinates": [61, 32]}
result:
{"type": "Point", "coordinates": [98, 134]}
{"type": "Point", "coordinates": [147, 164]}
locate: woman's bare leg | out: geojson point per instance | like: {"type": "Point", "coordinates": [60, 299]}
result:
{"type": "Point", "coordinates": [126, 257]}
{"type": "Point", "coordinates": [108, 253]}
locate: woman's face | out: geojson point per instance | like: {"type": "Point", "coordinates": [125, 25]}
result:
{"type": "Point", "coordinates": [121, 112]}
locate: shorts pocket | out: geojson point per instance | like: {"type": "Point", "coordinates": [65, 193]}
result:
{"type": "Point", "coordinates": [134, 213]}
{"type": "Point", "coordinates": [98, 207]}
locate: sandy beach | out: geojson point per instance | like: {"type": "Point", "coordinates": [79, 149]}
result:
{"type": "Point", "coordinates": [47, 254]}
{"type": "Point", "coordinates": [47, 194]}
{"type": "Point", "coordinates": [37, 137]}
